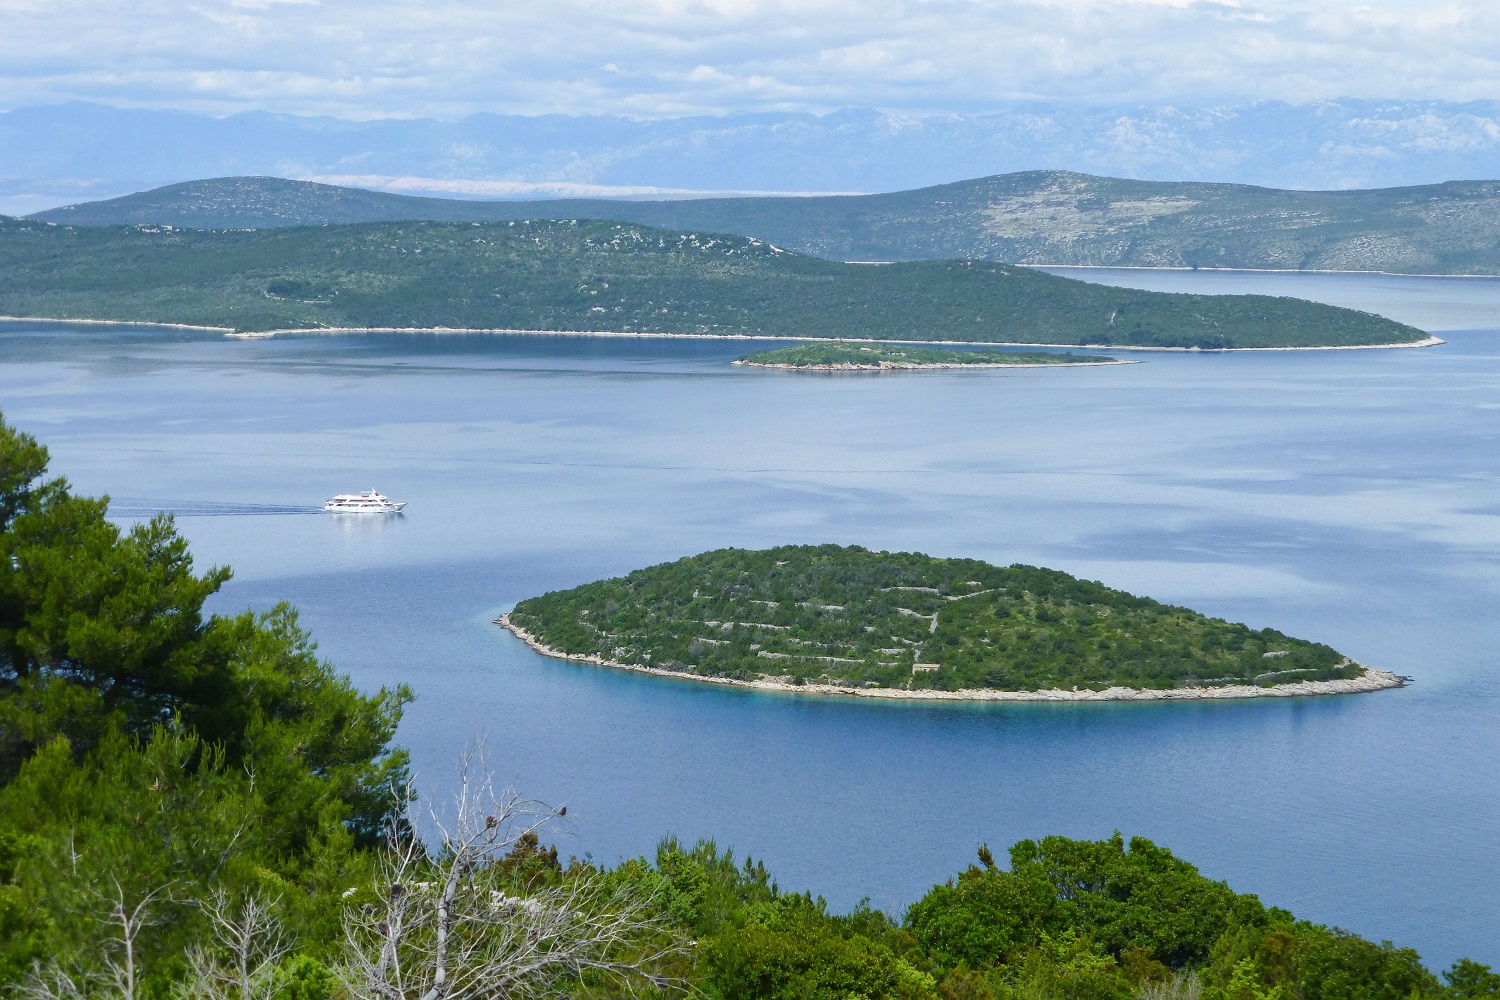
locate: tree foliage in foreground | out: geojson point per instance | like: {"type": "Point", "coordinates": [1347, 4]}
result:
{"type": "Point", "coordinates": [146, 744]}
{"type": "Point", "coordinates": [194, 807]}
{"type": "Point", "coordinates": [846, 615]}
{"type": "Point", "coordinates": [1070, 919]}
{"type": "Point", "coordinates": [605, 276]}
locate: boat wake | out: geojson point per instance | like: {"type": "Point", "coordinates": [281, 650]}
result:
{"type": "Point", "coordinates": [131, 507]}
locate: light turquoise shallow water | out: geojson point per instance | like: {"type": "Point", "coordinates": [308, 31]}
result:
{"type": "Point", "coordinates": [1350, 497]}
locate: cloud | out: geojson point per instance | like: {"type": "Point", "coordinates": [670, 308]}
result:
{"type": "Point", "coordinates": [445, 58]}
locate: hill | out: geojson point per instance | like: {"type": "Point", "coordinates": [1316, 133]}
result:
{"type": "Point", "coordinates": [1035, 217]}
{"type": "Point", "coordinates": [609, 277]}
{"type": "Point", "coordinates": [268, 202]}
{"type": "Point", "coordinates": [856, 619]}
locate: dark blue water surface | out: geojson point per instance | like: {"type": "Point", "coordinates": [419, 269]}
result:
{"type": "Point", "coordinates": [1349, 496]}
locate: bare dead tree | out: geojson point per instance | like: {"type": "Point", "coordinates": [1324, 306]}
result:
{"type": "Point", "coordinates": [119, 975]}
{"type": "Point", "coordinates": [240, 962]}
{"type": "Point", "coordinates": [453, 924]}
{"type": "Point", "coordinates": [53, 982]}
{"type": "Point", "coordinates": [1182, 986]}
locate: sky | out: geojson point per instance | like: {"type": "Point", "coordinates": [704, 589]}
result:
{"type": "Point", "coordinates": [666, 58]}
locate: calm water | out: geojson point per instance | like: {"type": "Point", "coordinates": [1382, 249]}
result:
{"type": "Point", "coordinates": [1435, 304]}
{"type": "Point", "coordinates": [1350, 497]}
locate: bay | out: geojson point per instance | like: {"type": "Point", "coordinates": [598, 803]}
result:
{"type": "Point", "coordinates": [1435, 304]}
{"type": "Point", "coordinates": [1349, 497]}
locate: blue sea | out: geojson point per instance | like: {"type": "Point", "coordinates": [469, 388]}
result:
{"type": "Point", "coordinates": [1350, 497]}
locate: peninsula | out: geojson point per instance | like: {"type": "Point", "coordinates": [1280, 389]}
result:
{"type": "Point", "coordinates": [842, 356]}
{"type": "Point", "coordinates": [846, 620]}
{"type": "Point", "coordinates": [608, 277]}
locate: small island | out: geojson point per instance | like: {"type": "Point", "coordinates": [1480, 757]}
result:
{"type": "Point", "coordinates": [842, 356]}
{"type": "Point", "coordinates": [828, 619]}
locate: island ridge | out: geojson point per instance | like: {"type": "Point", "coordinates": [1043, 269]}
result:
{"type": "Point", "coordinates": [569, 276]}
{"type": "Point", "coordinates": [1038, 217]}
{"type": "Point", "coordinates": [846, 620]}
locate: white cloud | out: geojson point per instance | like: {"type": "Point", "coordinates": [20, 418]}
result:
{"type": "Point", "coordinates": [373, 58]}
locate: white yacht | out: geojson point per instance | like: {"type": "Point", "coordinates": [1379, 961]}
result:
{"type": "Point", "coordinates": [368, 502]}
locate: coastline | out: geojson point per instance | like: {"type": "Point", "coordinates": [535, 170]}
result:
{"type": "Point", "coordinates": [1371, 680]}
{"type": "Point", "coordinates": [1231, 270]}
{"type": "Point", "coordinates": [227, 331]}
{"type": "Point", "coordinates": [886, 366]}
{"type": "Point", "coordinates": [1428, 341]}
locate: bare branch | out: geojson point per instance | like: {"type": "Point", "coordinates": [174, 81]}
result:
{"type": "Point", "coordinates": [458, 924]}
{"type": "Point", "coordinates": [119, 976]}
{"type": "Point", "coordinates": [53, 982]}
{"type": "Point", "coordinates": [247, 944]}
{"type": "Point", "coordinates": [1182, 986]}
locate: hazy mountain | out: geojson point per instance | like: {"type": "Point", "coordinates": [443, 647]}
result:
{"type": "Point", "coordinates": [1036, 217]}
{"type": "Point", "coordinates": [65, 153]}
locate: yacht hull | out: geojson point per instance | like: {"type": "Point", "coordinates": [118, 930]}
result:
{"type": "Point", "coordinates": [362, 503]}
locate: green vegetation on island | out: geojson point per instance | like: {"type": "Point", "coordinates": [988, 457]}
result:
{"type": "Point", "coordinates": [842, 355]}
{"type": "Point", "coordinates": [194, 807]}
{"type": "Point", "coordinates": [852, 617]}
{"type": "Point", "coordinates": [1031, 217]}
{"type": "Point", "coordinates": [611, 277]}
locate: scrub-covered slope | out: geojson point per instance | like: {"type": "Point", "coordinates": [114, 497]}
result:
{"type": "Point", "coordinates": [848, 616]}
{"type": "Point", "coordinates": [604, 276]}
{"type": "Point", "coordinates": [1032, 217]}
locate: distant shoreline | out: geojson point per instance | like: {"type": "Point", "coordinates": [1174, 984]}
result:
{"type": "Point", "coordinates": [1429, 341]}
{"type": "Point", "coordinates": [1371, 680]}
{"type": "Point", "coordinates": [887, 366]}
{"type": "Point", "coordinates": [228, 331]}
{"type": "Point", "coordinates": [1230, 270]}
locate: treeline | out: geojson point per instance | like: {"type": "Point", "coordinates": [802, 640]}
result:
{"type": "Point", "coordinates": [607, 276]}
{"type": "Point", "coordinates": [846, 615]}
{"type": "Point", "coordinates": [195, 807]}
{"type": "Point", "coordinates": [1081, 920]}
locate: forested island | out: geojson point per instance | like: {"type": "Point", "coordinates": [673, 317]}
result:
{"type": "Point", "coordinates": [607, 277]}
{"type": "Point", "coordinates": [828, 619]}
{"type": "Point", "coordinates": [194, 805]}
{"type": "Point", "coordinates": [844, 356]}
{"type": "Point", "coordinates": [1029, 217]}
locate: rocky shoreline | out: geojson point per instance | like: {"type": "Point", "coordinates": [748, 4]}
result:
{"type": "Point", "coordinates": [1429, 341]}
{"type": "Point", "coordinates": [1371, 680]}
{"type": "Point", "coordinates": [882, 366]}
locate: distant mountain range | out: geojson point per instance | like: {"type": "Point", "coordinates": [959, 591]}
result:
{"type": "Point", "coordinates": [1034, 217]}
{"type": "Point", "coordinates": [66, 153]}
